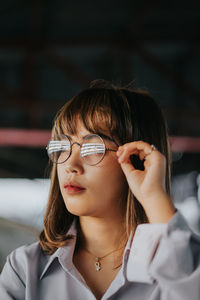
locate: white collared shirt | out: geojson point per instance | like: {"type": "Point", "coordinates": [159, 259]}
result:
{"type": "Point", "coordinates": [161, 262]}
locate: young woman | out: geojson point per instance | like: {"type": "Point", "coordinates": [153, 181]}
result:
{"type": "Point", "coordinates": [111, 230]}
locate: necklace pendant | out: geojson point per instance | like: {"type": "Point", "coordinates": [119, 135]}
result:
{"type": "Point", "coordinates": [97, 264]}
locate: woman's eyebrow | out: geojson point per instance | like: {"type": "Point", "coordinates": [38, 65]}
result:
{"type": "Point", "coordinates": [105, 136]}
{"type": "Point", "coordinates": [82, 137]}
{"type": "Point", "coordinates": [100, 134]}
{"type": "Point", "coordinates": [68, 136]}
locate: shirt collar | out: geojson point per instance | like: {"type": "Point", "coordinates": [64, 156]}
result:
{"type": "Point", "coordinates": [126, 252]}
{"type": "Point", "coordinates": [63, 254]}
{"type": "Point", "coordinates": [142, 246]}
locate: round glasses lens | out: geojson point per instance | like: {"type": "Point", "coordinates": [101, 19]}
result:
{"type": "Point", "coordinates": [92, 149]}
{"type": "Point", "coordinates": [59, 149]}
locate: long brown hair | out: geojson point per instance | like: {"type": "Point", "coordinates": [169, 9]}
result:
{"type": "Point", "coordinates": [128, 115]}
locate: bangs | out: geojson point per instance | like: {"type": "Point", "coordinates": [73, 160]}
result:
{"type": "Point", "coordinates": [101, 111]}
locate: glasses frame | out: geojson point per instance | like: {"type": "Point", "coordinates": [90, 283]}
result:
{"type": "Point", "coordinates": [80, 145]}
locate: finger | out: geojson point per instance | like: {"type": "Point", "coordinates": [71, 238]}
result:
{"type": "Point", "coordinates": [153, 148]}
{"type": "Point", "coordinates": [140, 148]}
{"type": "Point", "coordinates": [125, 154]}
{"type": "Point", "coordinates": [127, 168]}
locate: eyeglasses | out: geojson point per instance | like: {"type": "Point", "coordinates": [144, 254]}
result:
{"type": "Point", "coordinates": [92, 149]}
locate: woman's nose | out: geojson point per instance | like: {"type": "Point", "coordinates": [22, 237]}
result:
{"type": "Point", "coordinates": [74, 164]}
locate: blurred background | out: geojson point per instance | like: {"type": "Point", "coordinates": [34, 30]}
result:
{"type": "Point", "coordinates": [50, 50]}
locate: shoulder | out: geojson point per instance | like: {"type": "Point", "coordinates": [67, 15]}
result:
{"type": "Point", "coordinates": [28, 249]}
{"type": "Point", "coordinates": [24, 258]}
{"type": "Point", "coordinates": [26, 252]}
{"type": "Point", "coordinates": [22, 268]}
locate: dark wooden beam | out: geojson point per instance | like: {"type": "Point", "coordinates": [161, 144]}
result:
{"type": "Point", "coordinates": [69, 68]}
{"type": "Point", "coordinates": [138, 19]}
{"type": "Point", "coordinates": [14, 43]}
{"type": "Point", "coordinates": [172, 75]}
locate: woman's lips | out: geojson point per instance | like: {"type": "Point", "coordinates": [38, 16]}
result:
{"type": "Point", "coordinates": [73, 189]}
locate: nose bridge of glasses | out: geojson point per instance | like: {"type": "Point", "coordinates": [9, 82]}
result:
{"type": "Point", "coordinates": [74, 153]}
{"type": "Point", "coordinates": [75, 143]}
{"type": "Point", "coordinates": [77, 150]}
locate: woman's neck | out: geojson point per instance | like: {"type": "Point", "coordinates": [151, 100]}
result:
{"type": "Point", "coordinates": [101, 236]}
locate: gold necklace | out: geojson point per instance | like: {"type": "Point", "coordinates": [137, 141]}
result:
{"type": "Point", "coordinates": [98, 259]}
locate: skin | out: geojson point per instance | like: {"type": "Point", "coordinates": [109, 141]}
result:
{"type": "Point", "coordinates": [148, 186]}
{"type": "Point", "coordinates": [98, 206]}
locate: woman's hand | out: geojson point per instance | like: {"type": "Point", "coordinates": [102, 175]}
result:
{"type": "Point", "coordinates": [148, 186]}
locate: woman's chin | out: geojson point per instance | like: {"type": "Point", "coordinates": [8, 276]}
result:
{"type": "Point", "coordinates": [78, 210]}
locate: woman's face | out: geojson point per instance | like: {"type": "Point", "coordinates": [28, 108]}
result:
{"type": "Point", "coordinates": [92, 190]}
